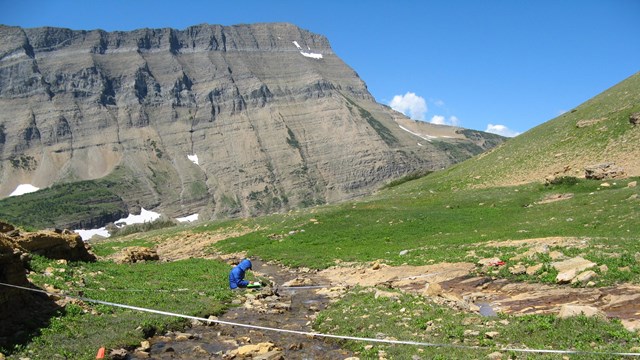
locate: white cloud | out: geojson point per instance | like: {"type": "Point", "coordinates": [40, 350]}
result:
{"type": "Point", "coordinates": [438, 120]}
{"type": "Point", "coordinates": [439, 103]}
{"type": "Point", "coordinates": [501, 130]}
{"type": "Point", "coordinates": [410, 104]}
{"type": "Point", "coordinates": [441, 120]}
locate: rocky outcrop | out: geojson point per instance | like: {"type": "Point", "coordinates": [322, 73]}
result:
{"type": "Point", "coordinates": [55, 245]}
{"type": "Point", "coordinates": [12, 271]}
{"type": "Point", "coordinates": [603, 171]}
{"type": "Point", "coordinates": [221, 120]}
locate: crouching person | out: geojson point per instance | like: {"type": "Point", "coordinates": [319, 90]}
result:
{"type": "Point", "coordinates": [236, 276]}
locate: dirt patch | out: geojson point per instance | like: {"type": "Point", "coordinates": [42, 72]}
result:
{"type": "Point", "coordinates": [549, 241]}
{"type": "Point", "coordinates": [195, 245]}
{"type": "Point", "coordinates": [554, 198]}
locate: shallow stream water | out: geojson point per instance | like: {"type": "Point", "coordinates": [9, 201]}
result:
{"type": "Point", "coordinates": [288, 308]}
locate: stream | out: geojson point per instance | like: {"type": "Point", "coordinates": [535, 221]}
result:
{"type": "Point", "coordinates": [274, 306]}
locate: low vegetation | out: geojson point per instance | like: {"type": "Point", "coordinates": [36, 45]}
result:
{"type": "Point", "coordinates": [383, 314]}
{"type": "Point", "coordinates": [194, 287]}
{"type": "Point", "coordinates": [435, 224]}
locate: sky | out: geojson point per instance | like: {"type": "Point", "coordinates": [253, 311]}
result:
{"type": "Point", "coordinates": [502, 66]}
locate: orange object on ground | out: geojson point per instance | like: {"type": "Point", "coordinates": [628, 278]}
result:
{"type": "Point", "coordinates": [100, 354]}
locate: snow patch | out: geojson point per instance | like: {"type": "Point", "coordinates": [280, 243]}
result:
{"type": "Point", "coordinates": [307, 54]}
{"type": "Point", "coordinates": [311, 55]}
{"type": "Point", "coordinates": [189, 218]}
{"type": "Point", "coordinates": [425, 137]}
{"type": "Point", "coordinates": [194, 159]}
{"type": "Point", "coordinates": [145, 216]}
{"type": "Point", "coordinates": [24, 189]}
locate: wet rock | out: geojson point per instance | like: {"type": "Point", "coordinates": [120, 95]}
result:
{"type": "Point", "coordinates": [569, 310]}
{"type": "Point", "coordinates": [271, 355]}
{"type": "Point", "coordinates": [200, 350]}
{"type": "Point", "coordinates": [252, 350]}
{"type": "Point", "coordinates": [299, 281]}
{"type": "Point", "coordinates": [118, 354]}
{"type": "Point", "coordinates": [141, 354]}
{"type": "Point", "coordinates": [144, 345]}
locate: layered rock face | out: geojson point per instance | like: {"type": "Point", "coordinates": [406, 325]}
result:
{"type": "Point", "coordinates": [239, 120]}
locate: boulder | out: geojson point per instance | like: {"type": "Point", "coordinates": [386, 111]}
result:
{"type": "Point", "coordinates": [569, 310]}
{"type": "Point", "coordinates": [603, 171]}
{"type": "Point", "coordinates": [54, 245]}
{"type": "Point", "coordinates": [634, 119]}
{"type": "Point", "coordinates": [577, 263]}
{"type": "Point", "coordinates": [12, 272]}
{"type": "Point", "coordinates": [568, 269]}
{"type": "Point", "coordinates": [135, 254]}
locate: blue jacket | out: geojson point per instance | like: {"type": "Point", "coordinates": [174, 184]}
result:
{"type": "Point", "coordinates": [236, 276]}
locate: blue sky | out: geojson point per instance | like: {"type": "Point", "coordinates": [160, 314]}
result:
{"type": "Point", "coordinates": [500, 65]}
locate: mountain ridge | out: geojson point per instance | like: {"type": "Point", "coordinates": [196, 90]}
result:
{"type": "Point", "coordinates": [274, 117]}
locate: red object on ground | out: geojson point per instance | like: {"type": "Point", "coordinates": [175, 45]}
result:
{"type": "Point", "coordinates": [100, 354]}
{"type": "Point", "coordinates": [498, 263]}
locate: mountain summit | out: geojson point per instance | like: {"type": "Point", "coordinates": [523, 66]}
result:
{"type": "Point", "coordinates": [239, 120]}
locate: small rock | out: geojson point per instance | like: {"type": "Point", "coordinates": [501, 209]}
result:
{"type": "Point", "coordinates": [145, 345]}
{"type": "Point", "coordinates": [433, 289]}
{"type": "Point", "coordinates": [368, 347]}
{"type": "Point", "coordinates": [584, 277]}
{"type": "Point", "coordinates": [495, 356]}
{"type": "Point", "coordinates": [604, 268]}
{"type": "Point", "coordinates": [632, 184]}
{"type": "Point", "coordinates": [404, 252]}
{"type": "Point", "coordinates": [556, 255]}
{"type": "Point", "coordinates": [494, 261]}
{"type": "Point", "coordinates": [566, 276]}
{"type": "Point", "coordinates": [605, 184]}
{"type": "Point", "coordinates": [471, 333]}
{"type": "Point", "coordinates": [200, 350]}
{"type": "Point", "coordinates": [532, 270]}
{"type": "Point", "coordinates": [138, 354]}
{"type": "Point", "coordinates": [299, 281]}
{"type": "Point", "coordinates": [624, 269]}
{"type": "Point", "coordinates": [518, 269]}
{"type": "Point", "coordinates": [491, 334]}
{"type": "Point", "coordinates": [118, 354]}
{"type": "Point", "coordinates": [569, 310]}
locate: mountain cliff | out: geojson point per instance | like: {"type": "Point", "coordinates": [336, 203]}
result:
{"type": "Point", "coordinates": [226, 120]}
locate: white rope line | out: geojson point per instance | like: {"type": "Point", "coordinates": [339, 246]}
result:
{"type": "Point", "coordinates": [314, 334]}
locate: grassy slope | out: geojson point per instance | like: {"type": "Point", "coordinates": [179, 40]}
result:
{"type": "Point", "coordinates": [549, 148]}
